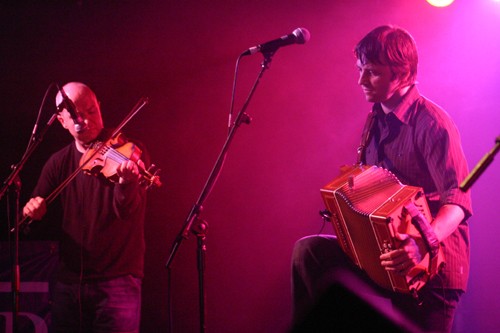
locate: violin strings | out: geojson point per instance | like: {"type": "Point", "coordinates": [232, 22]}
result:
{"type": "Point", "coordinates": [119, 157]}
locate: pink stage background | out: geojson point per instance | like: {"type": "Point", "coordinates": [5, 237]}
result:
{"type": "Point", "coordinates": [307, 114]}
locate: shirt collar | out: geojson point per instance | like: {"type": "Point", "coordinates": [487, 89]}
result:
{"type": "Point", "coordinates": [402, 111]}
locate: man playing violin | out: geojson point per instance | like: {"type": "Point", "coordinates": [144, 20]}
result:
{"type": "Point", "coordinates": [100, 270]}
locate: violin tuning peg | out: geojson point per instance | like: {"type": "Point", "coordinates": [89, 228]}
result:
{"type": "Point", "coordinates": [152, 177]}
{"type": "Point", "coordinates": [156, 178]}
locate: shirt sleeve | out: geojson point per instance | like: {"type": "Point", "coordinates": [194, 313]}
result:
{"type": "Point", "coordinates": [440, 144]}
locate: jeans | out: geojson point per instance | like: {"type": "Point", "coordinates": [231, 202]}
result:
{"type": "Point", "coordinates": [112, 305]}
{"type": "Point", "coordinates": [318, 263]}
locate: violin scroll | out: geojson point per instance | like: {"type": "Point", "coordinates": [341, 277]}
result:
{"type": "Point", "coordinates": [150, 177]}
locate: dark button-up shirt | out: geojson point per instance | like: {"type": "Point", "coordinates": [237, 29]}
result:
{"type": "Point", "coordinates": [419, 143]}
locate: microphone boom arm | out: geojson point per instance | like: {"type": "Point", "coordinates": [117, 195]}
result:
{"type": "Point", "coordinates": [480, 167]}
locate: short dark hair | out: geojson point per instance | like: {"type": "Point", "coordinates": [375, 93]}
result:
{"type": "Point", "coordinates": [392, 46]}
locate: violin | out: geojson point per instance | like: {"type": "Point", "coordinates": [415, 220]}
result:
{"type": "Point", "coordinates": [105, 157]}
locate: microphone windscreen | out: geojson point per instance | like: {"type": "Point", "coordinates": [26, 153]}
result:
{"type": "Point", "coordinates": [302, 35]}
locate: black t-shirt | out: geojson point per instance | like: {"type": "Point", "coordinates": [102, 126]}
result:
{"type": "Point", "coordinates": [102, 227]}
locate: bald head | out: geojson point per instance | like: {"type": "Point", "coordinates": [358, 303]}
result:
{"type": "Point", "coordinates": [75, 91]}
{"type": "Point", "coordinates": [87, 107]}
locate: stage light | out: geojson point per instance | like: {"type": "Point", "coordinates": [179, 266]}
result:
{"type": "Point", "coordinates": [440, 3]}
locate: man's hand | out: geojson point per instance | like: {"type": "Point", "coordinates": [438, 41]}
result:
{"type": "Point", "coordinates": [128, 171]}
{"type": "Point", "coordinates": [35, 208]}
{"type": "Point", "coordinates": [405, 257]}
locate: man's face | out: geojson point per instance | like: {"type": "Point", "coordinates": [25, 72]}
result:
{"type": "Point", "coordinates": [377, 81]}
{"type": "Point", "coordinates": [89, 110]}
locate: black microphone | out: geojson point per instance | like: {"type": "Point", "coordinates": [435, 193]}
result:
{"type": "Point", "coordinates": [68, 104]}
{"type": "Point", "coordinates": [298, 36]}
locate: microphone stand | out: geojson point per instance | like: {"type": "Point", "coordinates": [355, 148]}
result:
{"type": "Point", "coordinates": [193, 223]}
{"type": "Point", "coordinates": [480, 166]}
{"type": "Point", "coordinates": [14, 182]}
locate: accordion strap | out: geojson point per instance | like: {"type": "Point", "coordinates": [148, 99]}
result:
{"type": "Point", "coordinates": [365, 136]}
{"type": "Point", "coordinates": [428, 236]}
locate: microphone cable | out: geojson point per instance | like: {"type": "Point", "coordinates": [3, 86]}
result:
{"type": "Point", "coordinates": [233, 93]}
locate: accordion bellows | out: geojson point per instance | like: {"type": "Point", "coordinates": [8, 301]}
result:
{"type": "Point", "coordinates": [367, 208]}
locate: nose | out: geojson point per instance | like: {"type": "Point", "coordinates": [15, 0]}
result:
{"type": "Point", "coordinates": [362, 78]}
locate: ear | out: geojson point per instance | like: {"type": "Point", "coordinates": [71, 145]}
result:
{"type": "Point", "coordinates": [62, 121]}
{"type": "Point", "coordinates": [405, 79]}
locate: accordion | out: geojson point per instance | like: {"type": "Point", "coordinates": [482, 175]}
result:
{"type": "Point", "coordinates": [367, 205]}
